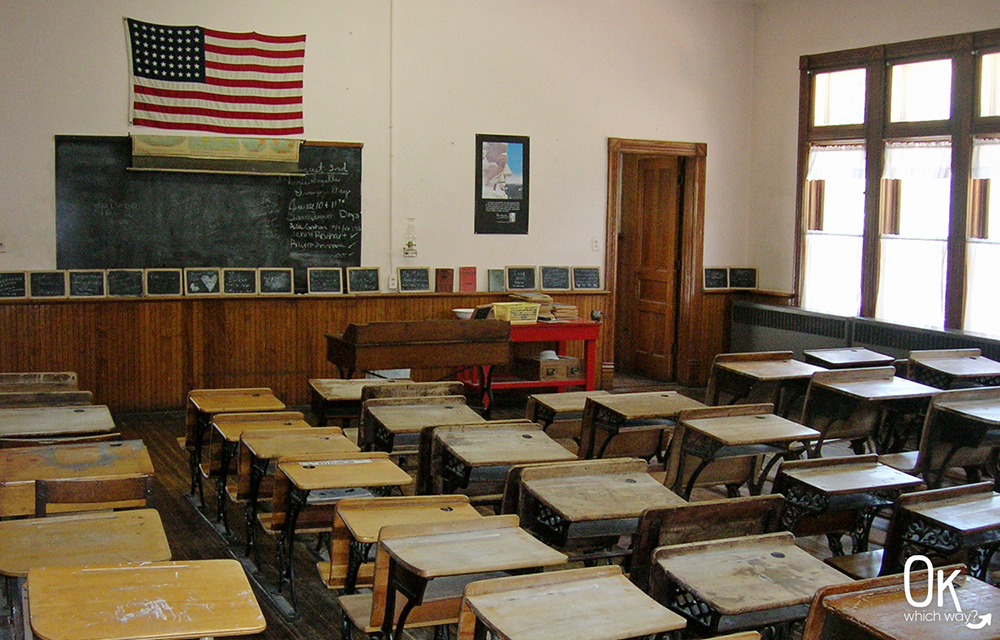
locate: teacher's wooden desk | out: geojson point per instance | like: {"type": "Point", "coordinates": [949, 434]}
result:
{"type": "Point", "coordinates": [190, 599]}
{"type": "Point", "coordinates": [19, 468]}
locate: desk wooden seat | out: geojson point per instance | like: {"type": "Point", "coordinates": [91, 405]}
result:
{"type": "Point", "coordinates": [338, 399]}
{"type": "Point", "coordinates": [356, 526]}
{"type": "Point", "coordinates": [189, 599]}
{"type": "Point", "coordinates": [596, 603]}
{"type": "Point", "coordinates": [561, 411]}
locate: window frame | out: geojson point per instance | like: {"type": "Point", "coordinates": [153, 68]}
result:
{"type": "Point", "coordinates": [963, 124]}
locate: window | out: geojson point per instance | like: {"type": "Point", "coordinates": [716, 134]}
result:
{"type": "Point", "coordinates": [909, 233]}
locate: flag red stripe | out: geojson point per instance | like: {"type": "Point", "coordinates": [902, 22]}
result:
{"type": "Point", "coordinates": [261, 68]}
{"type": "Point", "coordinates": [254, 51]}
{"type": "Point", "coordinates": [201, 126]}
{"type": "Point", "coordinates": [217, 97]}
{"type": "Point", "coordinates": [252, 35]}
{"type": "Point", "coordinates": [259, 84]}
{"type": "Point", "coordinates": [217, 113]}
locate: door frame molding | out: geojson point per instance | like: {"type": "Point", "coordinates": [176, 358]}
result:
{"type": "Point", "coordinates": [689, 290]}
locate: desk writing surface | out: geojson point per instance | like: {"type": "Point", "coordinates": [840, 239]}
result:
{"type": "Point", "coordinates": [986, 410]}
{"type": "Point", "coordinates": [773, 370]}
{"type": "Point", "coordinates": [190, 599]}
{"type": "Point", "coordinates": [340, 390]}
{"type": "Point", "coordinates": [885, 612]}
{"type": "Point", "coordinates": [977, 512]}
{"type": "Point", "coordinates": [648, 404]}
{"type": "Point", "coordinates": [268, 445]}
{"type": "Point", "coordinates": [45, 421]}
{"type": "Point", "coordinates": [752, 429]}
{"type": "Point", "coordinates": [411, 418]}
{"type": "Point", "coordinates": [848, 357]}
{"type": "Point", "coordinates": [570, 401]}
{"type": "Point", "coordinates": [449, 554]}
{"type": "Point", "coordinates": [501, 446]}
{"type": "Point", "coordinates": [602, 497]}
{"type": "Point", "coordinates": [894, 388]}
{"type": "Point", "coordinates": [752, 573]}
{"type": "Point", "coordinates": [131, 535]}
{"type": "Point", "coordinates": [851, 478]}
{"type": "Point", "coordinates": [237, 403]}
{"type": "Point", "coordinates": [344, 473]}
{"type": "Point", "coordinates": [960, 366]}
{"type": "Point", "coordinates": [232, 431]}
{"type": "Point", "coordinates": [365, 523]}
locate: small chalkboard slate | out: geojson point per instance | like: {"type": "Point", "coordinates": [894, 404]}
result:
{"type": "Point", "coordinates": [86, 284]}
{"type": "Point", "coordinates": [200, 282]}
{"type": "Point", "coordinates": [239, 282]}
{"type": "Point", "coordinates": [495, 280]}
{"type": "Point", "coordinates": [587, 278]}
{"type": "Point", "coordinates": [520, 278]}
{"type": "Point", "coordinates": [414, 279]}
{"type": "Point", "coordinates": [125, 283]}
{"type": "Point", "coordinates": [13, 284]}
{"type": "Point", "coordinates": [362, 280]}
{"type": "Point", "coordinates": [47, 284]}
{"type": "Point", "coordinates": [742, 278]}
{"type": "Point", "coordinates": [325, 280]}
{"type": "Point", "coordinates": [164, 282]}
{"type": "Point", "coordinates": [555, 278]}
{"type": "Point", "coordinates": [277, 281]}
{"type": "Point", "coordinates": [716, 278]}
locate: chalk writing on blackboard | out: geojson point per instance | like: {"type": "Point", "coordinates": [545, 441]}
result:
{"type": "Point", "coordinates": [276, 281]}
{"type": "Point", "coordinates": [125, 283]}
{"type": "Point", "coordinates": [586, 277]}
{"type": "Point", "coordinates": [199, 282]}
{"type": "Point", "coordinates": [86, 284]}
{"type": "Point", "coordinates": [13, 284]}
{"type": "Point", "coordinates": [716, 278]}
{"type": "Point", "coordinates": [237, 282]}
{"type": "Point", "coordinates": [325, 280]}
{"type": "Point", "coordinates": [164, 282]}
{"type": "Point", "coordinates": [414, 279]}
{"type": "Point", "coordinates": [362, 280]}
{"type": "Point", "coordinates": [520, 279]}
{"type": "Point", "coordinates": [555, 278]}
{"type": "Point", "coordinates": [47, 284]}
{"type": "Point", "coordinates": [742, 278]}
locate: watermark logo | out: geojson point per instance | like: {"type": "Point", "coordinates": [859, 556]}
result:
{"type": "Point", "coordinates": [970, 619]}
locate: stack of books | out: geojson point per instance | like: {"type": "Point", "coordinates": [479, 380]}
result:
{"type": "Point", "coordinates": [565, 312]}
{"type": "Point", "coordinates": [545, 300]}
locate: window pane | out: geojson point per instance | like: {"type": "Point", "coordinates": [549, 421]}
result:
{"type": "Point", "coordinates": [911, 282]}
{"type": "Point", "coordinates": [924, 169]}
{"type": "Point", "coordinates": [989, 97]}
{"type": "Point", "coordinates": [839, 98]}
{"type": "Point", "coordinates": [843, 169]}
{"type": "Point", "coordinates": [982, 299]}
{"type": "Point", "coordinates": [832, 276]}
{"type": "Point", "coordinates": [921, 91]}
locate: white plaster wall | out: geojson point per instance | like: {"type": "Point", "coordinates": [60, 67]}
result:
{"type": "Point", "coordinates": [415, 80]}
{"type": "Point", "coordinates": [788, 29]}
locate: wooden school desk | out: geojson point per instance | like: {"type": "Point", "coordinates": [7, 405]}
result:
{"type": "Point", "coordinates": [942, 368]}
{"type": "Point", "coordinates": [338, 399]}
{"type": "Point", "coordinates": [742, 377]}
{"type": "Point", "coordinates": [598, 500]}
{"type": "Point", "coordinates": [225, 439]}
{"type": "Point", "coordinates": [846, 358]}
{"type": "Point", "coordinates": [615, 414]}
{"type": "Point", "coordinates": [190, 599]}
{"type": "Point", "coordinates": [716, 433]}
{"type": "Point", "coordinates": [373, 471]}
{"type": "Point", "coordinates": [392, 421]}
{"type": "Point", "coordinates": [19, 468]}
{"type": "Point", "coordinates": [733, 584]}
{"type": "Point", "coordinates": [814, 488]}
{"type": "Point", "coordinates": [486, 453]}
{"type": "Point", "coordinates": [55, 421]}
{"type": "Point", "coordinates": [259, 448]}
{"type": "Point", "coordinates": [858, 404]}
{"type": "Point", "coordinates": [973, 420]}
{"type": "Point", "coordinates": [546, 408]}
{"type": "Point", "coordinates": [39, 381]}
{"type": "Point", "coordinates": [597, 603]}
{"type": "Point", "coordinates": [878, 608]}
{"type": "Point", "coordinates": [475, 547]}
{"type": "Point", "coordinates": [205, 403]}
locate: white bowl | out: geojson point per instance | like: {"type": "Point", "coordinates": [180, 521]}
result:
{"type": "Point", "coordinates": [463, 314]}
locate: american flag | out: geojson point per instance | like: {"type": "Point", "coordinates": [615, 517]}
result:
{"type": "Point", "coordinates": [207, 80]}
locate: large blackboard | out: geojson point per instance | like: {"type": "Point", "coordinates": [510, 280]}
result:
{"type": "Point", "coordinates": [108, 217]}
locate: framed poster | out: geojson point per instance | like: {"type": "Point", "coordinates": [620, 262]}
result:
{"type": "Point", "coordinates": [501, 184]}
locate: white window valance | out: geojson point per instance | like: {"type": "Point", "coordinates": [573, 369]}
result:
{"type": "Point", "coordinates": [836, 162]}
{"type": "Point", "coordinates": [917, 160]}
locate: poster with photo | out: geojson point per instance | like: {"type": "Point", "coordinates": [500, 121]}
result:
{"type": "Point", "coordinates": [501, 184]}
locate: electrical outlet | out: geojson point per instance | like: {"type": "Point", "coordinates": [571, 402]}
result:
{"type": "Point", "coordinates": [595, 245]}
{"type": "Point", "coordinates": [392, 283]}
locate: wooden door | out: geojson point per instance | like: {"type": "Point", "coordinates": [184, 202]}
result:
{"type": "Point", "coordinates": [648, 266]}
